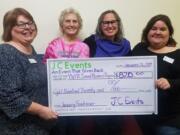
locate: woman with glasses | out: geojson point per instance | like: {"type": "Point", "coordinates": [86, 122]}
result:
{"type": "Point", "coordinates": [108, 41]}
{"type": "Point", "coordinates": [23, 82]}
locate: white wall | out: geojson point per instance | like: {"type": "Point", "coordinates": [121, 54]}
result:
{"type": "Point", "coordinates": [134, 15]}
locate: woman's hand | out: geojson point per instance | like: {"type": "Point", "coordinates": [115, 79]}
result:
{"type": "Point", "coordinates": [43, 112]}
{"type": "Point", "coordinates": [46, 113]}
{"type": "Point", "coordinates": [162, 83]}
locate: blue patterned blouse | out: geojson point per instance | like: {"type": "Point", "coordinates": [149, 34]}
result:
{"type": "Point", "coordinates": [22, 80]}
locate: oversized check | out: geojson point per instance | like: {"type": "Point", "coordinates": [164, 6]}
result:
{"type": "Point", "coordinates": [103, 86]}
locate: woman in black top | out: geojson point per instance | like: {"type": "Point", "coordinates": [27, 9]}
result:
{"type": "Point", "coordinates": [108, 41]}
{"type": "Point", "coordinates": [157, 40]}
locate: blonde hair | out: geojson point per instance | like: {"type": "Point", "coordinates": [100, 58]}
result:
{"type": "Point", "coordinates": [69, 11]}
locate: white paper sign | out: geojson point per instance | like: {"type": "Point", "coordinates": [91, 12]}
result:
{"type": "Point", "coordinates": [103, 86]}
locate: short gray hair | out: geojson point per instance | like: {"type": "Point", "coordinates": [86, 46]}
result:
{"type": "Point", "coordinates": [69, 11]}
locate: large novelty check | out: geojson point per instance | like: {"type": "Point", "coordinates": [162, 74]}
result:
{"type": "Point", "coordinates": [103, 86]}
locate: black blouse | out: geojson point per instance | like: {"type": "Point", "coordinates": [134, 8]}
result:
{"type": "Point", "coordinates": [168, 67]}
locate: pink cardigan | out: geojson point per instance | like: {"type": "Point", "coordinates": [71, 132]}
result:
{"type": "Point", "coordinates": [57, 48]}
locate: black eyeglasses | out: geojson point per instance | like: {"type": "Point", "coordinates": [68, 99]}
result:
{"type": "Point", "coordinates": [23, 25]}
{"type": "Point", "coordinates": [107, 23]}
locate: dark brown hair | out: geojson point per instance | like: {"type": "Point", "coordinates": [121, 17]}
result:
{"type": "Point", "coordinates": [150, 24]}
{"type": "Point", "coordinates": [10, 20]}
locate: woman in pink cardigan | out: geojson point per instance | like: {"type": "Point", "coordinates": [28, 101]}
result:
{"type": "Point", "coordinates": [68, 45]}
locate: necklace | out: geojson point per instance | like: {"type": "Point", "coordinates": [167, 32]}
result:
{"type": "Point", "coordinates": [69, 53]}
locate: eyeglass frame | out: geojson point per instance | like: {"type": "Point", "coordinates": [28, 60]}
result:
{"type": "Point", "coordinates": [23, 25]}
{"type": "Point", "coordinates": [107, 23]}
